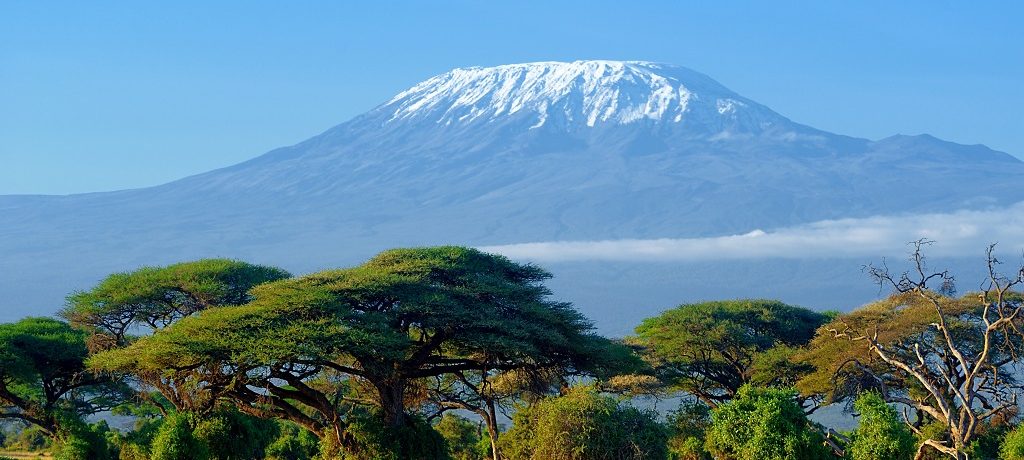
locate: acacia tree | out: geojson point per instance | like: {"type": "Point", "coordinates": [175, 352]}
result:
{"type": "Point", "coordinates": [152, 298]}
{"type": "Point", "coordinates": [43, 378]}
{"type": "Point", "coordinates": [491, 390]}
{"type": "Point", "coordinates": [944, 357]}
{"type": "Point", "coordinates": [712, 349]}
{"type": "Point", "coordinates": [404, 316]}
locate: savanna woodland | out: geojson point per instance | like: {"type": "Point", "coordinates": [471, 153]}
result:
{"type": "Point", "coordinates": [452, 353]}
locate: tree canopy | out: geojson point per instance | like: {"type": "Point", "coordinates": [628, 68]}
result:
{"type": "Point", "coordinates": [944, 357]}
{"type": "Point", "coordinates": [711, 349]}
{"type": "Point", "coordinates": [304, 346]}
{"type": "Point", "coordinates": [43, 379]}
{"type": "Point", "coordinates": [154, 297]}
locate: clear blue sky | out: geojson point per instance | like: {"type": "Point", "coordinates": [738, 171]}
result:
{"type": "Point", "coordinates": [104, 95]}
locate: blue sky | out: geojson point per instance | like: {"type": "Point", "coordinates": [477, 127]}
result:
{"type": "Point", "coordinates": [104, 95]}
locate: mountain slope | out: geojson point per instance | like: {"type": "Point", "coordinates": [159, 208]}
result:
{"type": "Point", "coordinates": [481, 156]}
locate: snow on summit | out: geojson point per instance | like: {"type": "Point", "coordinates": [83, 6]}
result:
{"type": "Point", "coordinates": [580, 92]}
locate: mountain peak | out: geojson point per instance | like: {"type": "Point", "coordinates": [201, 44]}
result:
{"type": "Point", "coordinates": [578, 93]}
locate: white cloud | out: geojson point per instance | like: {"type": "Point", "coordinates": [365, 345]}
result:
{"type": "Point", "coordinates": [961, 233]}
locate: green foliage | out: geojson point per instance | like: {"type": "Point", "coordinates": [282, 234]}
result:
{"type": "Point", "coordinates": [763, 424]}
{"type": "Point", "coordinates": [30, 438]}
{"type": "Point", "coordinates": [36, 348]}
{"type": "Point", "coordinates": [375, 440]}
{"type": "Point", "coordinates": [43, 379]}
{"type": "Point", "coordinates": [583, 425]}
{"type": "Point", "coordinates": [153, 297]}
{"type": "Point", "coordinates": [688, 427]}
{"type": "Point", "coordinates": [463, 437]}
{"type": "Point", "coordinates": [710, 349]}
{"type": "Point", "coordinates": [230, 435]}
{"type": "Point", "coordinates": [931, 430]}
{"type": "Point", "coordinates": [175, 440]}
{"type": "Point", "coordinates": [899, 321]}
{"type": "Point", "coordinates": [989, 441]}
{"type": "Point", "coordinates": [293, 443]}
{"type": "Point", "coordinates": [78, 440]}
{"type": "Point", "coordinates": [881, 433]}
{"type": "Point", "coordinates": [1013, 445]}
{"type": "Point", "coordinates": [225, 434]}
{"type": "Point", "coordinates": [136, 443]}
{"type": "Point", "coordinates": [405, 315]}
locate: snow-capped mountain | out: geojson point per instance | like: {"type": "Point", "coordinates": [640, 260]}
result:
{"type": "Point", "coordinates": [586, 150]}
{"type": "Point", "coordinates": [578, 94]}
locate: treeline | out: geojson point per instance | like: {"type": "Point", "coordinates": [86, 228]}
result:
{"type": "Point", "coordinates": [427, 353]}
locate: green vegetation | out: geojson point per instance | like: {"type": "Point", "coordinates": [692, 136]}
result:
{"type": "Point", "coordinates": [583, 424]}
{"type": "Point", "coordinates": [881, 433]}
{"type": "Point", "coordinates": [712, 349]}
{"type": "Point", "coordinates": [764, 424]}
{"type": "Point", "coordinates": [420, 354]}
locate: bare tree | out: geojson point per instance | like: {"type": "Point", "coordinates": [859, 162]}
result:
{"type": "Point", "coordinates": [959, 360]}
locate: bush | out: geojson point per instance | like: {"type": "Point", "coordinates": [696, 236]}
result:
{"type": "Point", "coordinates": [881, 433]}
{"type": "Point", "coordinates": [584, 425]}
{"type": "Point", "coordinates": [764, 424]}
{"type": "Point", "coordinates": [230, 435]}
{"type": "Point", "coordinates": [30, 438]}
{"type": "Point", "coordinates": [136, 444]}
{"type": "Point", "coordinates": [81, 441]}
{"type": "Point", "coordinates": [463, 437]}
{"type": "Point", "coordinates": [293, 443]}
{"type": "Point", "coordinates": [1013, 445]}
{"type": "Point", "coordinates": [174, 440]}
{"type": "Point", "coordinates": [989, 440]}
{"type": "Point", "coordinates": [416, 440]}
{"type": "Point", "coordinates": [687, 429]}
{"type": "Point", "coordinates": [225, 434]}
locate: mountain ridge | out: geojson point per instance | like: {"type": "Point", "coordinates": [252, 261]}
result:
{"type": "Point", "coordinates": [376, 181]}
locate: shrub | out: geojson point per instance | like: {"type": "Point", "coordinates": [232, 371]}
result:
{"type": "Point", "coordinates": [81, 441]}
{"type": "Point", "coordinates": [175, 441]}
{"type": "Point", "coordinates": [416, 440]}
{"type": "Point", "coordinates": [462, 436]}
{"type": "Point", "coordinates": [293, 443]}
{"type": "Point", "coordinates": [30, 438]}
{"type": "Point", "coordinates": [584, 425]}
{"type": "Point", "coordinates": [1013, 445]}
{"type": "Point", "coordinates": [688, 427]}
{"type": "Point", "coordinates": [230, 435]}
{"type": "Point", "coordinates": [881, 433]}
{"type": "Point", "coordinates": [764, 424]}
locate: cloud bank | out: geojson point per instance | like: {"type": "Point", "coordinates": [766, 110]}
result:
{"type": "Point", "coordinates": [961, 233]}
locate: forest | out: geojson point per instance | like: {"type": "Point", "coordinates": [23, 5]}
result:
{"type": "Point", "coordinates": [453, 353]}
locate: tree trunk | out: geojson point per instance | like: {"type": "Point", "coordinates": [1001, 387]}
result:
{"type": "Point", "coordinates": [392, 403]}
{"type": "Point", "coordinates": [492, 428]}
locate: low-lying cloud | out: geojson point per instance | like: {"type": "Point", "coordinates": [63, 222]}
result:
{"type": "Point", "coordinates": [961, 233]}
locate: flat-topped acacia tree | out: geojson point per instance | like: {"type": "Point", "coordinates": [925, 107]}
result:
{"type": "Point", "coordinates": [43, 378]}
{"type": "Point", "coordinates": [152, 298]}
{"type": "Point", "coordinates": [501, 381]}
{"type": "Point", "coordinates": [712, 349]}
{"type": "Point", "coordinates": [405, 315]}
